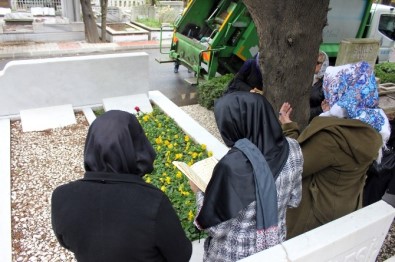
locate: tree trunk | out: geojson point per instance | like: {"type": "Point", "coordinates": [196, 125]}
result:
{"type": "Point", "coordinates": [290, 33]}
{"type": "Point", "coordinates": [103, 6]}
{"type": "Point", "coordinates": [91, 33]}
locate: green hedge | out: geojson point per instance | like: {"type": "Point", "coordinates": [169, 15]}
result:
{"type": "Point", "coordinates": [210, 90]}
{"type": "Point", "coordinates": [386, 72]}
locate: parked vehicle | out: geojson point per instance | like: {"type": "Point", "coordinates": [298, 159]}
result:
{"type": "Point", "coordinates": [381, 26]}
{"type": "Point", "coordinates": [217, 36]}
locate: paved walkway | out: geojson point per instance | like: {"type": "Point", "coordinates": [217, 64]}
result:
{"type": "Point", "coordinates": [35, 49]}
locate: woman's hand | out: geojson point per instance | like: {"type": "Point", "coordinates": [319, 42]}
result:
{"type": "Point", "coordinates": [256, 90]}
{"type": "Point", "coordinates": [325, 105]}
{"type": "Point", "coordinates": [284, 114]}
{"type": "Point", "coordinates": [194, 188]}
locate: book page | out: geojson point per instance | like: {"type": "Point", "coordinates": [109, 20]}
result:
{"type": "Point", "coordinates": [199, 173]}
{"type": "Point", "coordinates": [204, 168]}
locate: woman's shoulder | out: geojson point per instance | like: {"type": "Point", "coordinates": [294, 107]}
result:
{"type": "Point", "coordinates": [340, 130]}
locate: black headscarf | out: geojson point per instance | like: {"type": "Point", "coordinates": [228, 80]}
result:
{"type": "Point", "coordinates": [116, 143]}
{"type": "Point", "coordinates": [241, 115]}
{"type": "Point", "coordinates": [245, 115]}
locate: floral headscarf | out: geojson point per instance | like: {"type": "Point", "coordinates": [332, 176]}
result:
{"type": "Point", "coordinates": [351, 92]}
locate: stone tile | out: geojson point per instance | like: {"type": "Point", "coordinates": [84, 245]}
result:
{"type": "Point", "coordinates": [47, 117]}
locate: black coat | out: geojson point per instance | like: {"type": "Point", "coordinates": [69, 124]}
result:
{"type": "Point", "coordinates": [117, 217]}
{"type": "Point", "coordinates": [316, 98]}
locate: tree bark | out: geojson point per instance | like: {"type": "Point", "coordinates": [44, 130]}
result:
{"type": "Point", "coordinates": [91, 32]}
{"type": "Point", "coordinates": [290, 33]}
{"type": "Point", "coordinates": [103, 6]}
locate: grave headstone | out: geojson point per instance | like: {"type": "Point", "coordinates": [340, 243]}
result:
{"type": "Point", "coordinates": [354, 50]}
{"type": "Point", "coordinates": [4, 11]}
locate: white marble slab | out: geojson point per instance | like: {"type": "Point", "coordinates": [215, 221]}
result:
{"type": "Point", "coordinates": [355, 237]}
{"type": "Point", "coordinates": [128, 103]}
{"type": "Point", "coordinates": [89, 115]}
{"type": "Point", "coordinates": [5, 191]}
{"type": "Point", "coordinates": [47, 117]}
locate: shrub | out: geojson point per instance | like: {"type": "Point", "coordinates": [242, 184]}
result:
{"type": "Point", "coordinates": [149, 22]}
{"type": "Point", "coordinates": [210, 90]}
{"type": "Point", "coordinates": [386, 72]}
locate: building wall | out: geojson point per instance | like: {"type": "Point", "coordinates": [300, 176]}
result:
{"type": "Point", "coordinates": [5, 3]}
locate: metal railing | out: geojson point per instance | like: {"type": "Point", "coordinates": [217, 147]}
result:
{"type": "Point", "coordinates": [27, 4]}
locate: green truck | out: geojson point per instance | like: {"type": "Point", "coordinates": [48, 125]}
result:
{"type": "Point", "coordinates": [217, 36]}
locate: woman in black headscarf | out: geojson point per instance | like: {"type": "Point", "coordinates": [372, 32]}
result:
{"type": "Point", "coordinates": [112, 214]}
{"type": "Point", "coordinates": [243, 207]}
{"type": "Point", "coordinates": [248, 78]}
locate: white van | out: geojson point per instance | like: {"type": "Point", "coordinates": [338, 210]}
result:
{"type": "Point", "coordinates": [382, 28]}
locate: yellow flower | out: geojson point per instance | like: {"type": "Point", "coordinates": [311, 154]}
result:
{"type": "Point", "coordinates": [176, 136]}
{"type": "Point", "coordinates": [190, 215]}
{"type": "Point", "coordinates": [167, 142]}
{"type": "Point", "coordinates": [190, 163]}
{"type": "Point", "coordinates": [179, 174]}
{"type": "Point", "coordinates": [145, 118]}
{"type": "Point", "coordinates": [170, 146]}
{"type": "Point", "coordinates": [186, 138]}
{"type": "Point", "coordinates": [168, 180]}
{"type": "Point", "coordinates": [194, 155]}
{"type": "Point", "coordinates": [148, 180]}
{"type": "Point", "coordinates": [178, 156]}
{"type": "Point", "coordinates": [158, 148]}
{"type": "Point", "coordinates": [158, 140]}
{"type": "Point", "coordinates": [159, 125]}
{"type": "Point", "coordinates": [209, 153]}
{"type": "Point", "coordinates": [187, 202]}
{"type": "Point", "coordinates": [163, 188]}
{"type": "Point", "coordinates": [185, 193]}
{"type": "Point", "coordinates": [164, 174]}
{"type": "Point", "coordinates": [203, 146]}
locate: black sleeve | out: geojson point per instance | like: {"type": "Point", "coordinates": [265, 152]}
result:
{"type": "Point", "coordinates": [171, 238]}
{"type": "Point", "coordinates": [55, 219]}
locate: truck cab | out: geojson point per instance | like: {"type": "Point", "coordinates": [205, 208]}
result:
{"type": "Point", "coordinates": [381, 26]}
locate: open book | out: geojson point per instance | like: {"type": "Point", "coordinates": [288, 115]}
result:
{"type": "Point", "coordinates": [199, 173]}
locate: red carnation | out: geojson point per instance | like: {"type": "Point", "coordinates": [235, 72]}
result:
{"type": "Point", "coordinates": [137, 109]}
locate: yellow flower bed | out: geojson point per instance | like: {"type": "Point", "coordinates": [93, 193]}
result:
{"type": "Point", "coordinates": [170, 144]}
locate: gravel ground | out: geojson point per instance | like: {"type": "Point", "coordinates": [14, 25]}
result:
{"type": "Point", "coordinates": [40, 161]}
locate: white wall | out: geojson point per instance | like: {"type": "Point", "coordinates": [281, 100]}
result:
{"type": "Point", "coordinates": [79, 81]}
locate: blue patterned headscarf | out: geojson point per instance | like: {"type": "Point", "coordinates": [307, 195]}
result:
{"type": "Point", "coordinates": [351, 92]}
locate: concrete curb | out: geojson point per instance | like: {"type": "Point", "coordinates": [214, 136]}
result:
{"type": "Point", "coordinates": [27, 52]}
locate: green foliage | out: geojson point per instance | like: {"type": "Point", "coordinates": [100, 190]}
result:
{"type": "Point", "coordinates": [149, 22]}
{"type": "Point", "coordinates": [386, 72]}
{"type": "Point", "coordinates": [210, 90]}
{"type": "Point", "coordinates": [98, 112]}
